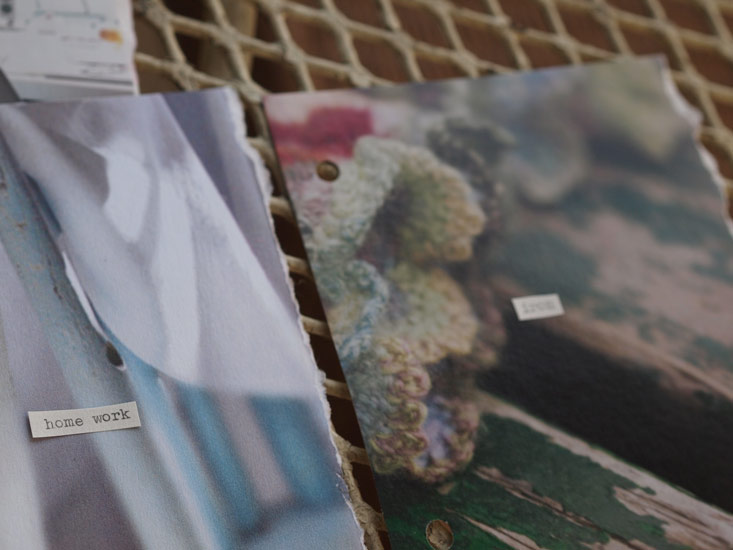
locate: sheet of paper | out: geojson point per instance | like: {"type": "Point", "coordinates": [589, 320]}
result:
{"type": "Point", "coordinates": [453, 198]}
{"type": "Point", "coordinates": [135, 282]}
{"type": "Point", "coordinates": [65, 49]}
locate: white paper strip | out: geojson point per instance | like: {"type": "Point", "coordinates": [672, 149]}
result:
{"type": "Point", "coordinates": [539, 306]}
{"type": "Point", "coordinates": [83, 421]}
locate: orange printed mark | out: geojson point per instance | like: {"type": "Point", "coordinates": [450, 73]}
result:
{"type": "Point", "coordinates": [111, 35]}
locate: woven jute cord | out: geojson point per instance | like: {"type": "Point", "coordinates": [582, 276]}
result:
{"type": "Point", "coordinates": [311, 44]}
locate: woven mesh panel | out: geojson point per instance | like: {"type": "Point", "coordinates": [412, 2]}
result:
{"type": "Point", "coordinates": [262, 46]}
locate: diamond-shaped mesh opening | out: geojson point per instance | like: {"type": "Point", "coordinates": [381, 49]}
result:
{"type": "Point", "coordinates": [153, 81]}
{"type": "Point", "coordinates": [647, 42]}
{"type": "Point", "coordinates": [194, 10]}
{"type": "Point", "coordinates": [274, 76]}
{"type": "Point", "coordinates": [687, 14]}
{"type": "Point", "coordinates": [190, 46]}
{"type": "Point", "coordinates": [422, 24]}
{"type": "Point", "coordinates": [328, 81]}
{"type": "Point", "coordinates": [476, 5]}
{"type": "Point", "coordinates": [486, 43]}
{"type": "Point", "coordinates": [203, 52]}
{"type": "Point", "coordinates": [315, 39]}
{"type": "Point", "coordinates": [363, 11]}
{"type": "Point", "coordinates": [638, 7]}
{"type": "Point", "coordinates": [542, 54]}
{"type": "Point", "coordinates": [712, 64]}
{"type": "Point", "coordinates": [264, 30]}
{"type": "Point", "coordinates": [526, 14]}
{"type": "Point", "coordinates": [215, 60]}
{"type": "Point", "coordinates": [149, 38]}
{"type": "Point", "coordinates": [382, 59]}
{"type": "Point", "coordinates": [585, 26]}
{"type": "Point", "coordinates": [433, 69]}
{"type": "Point", "coordinates": [727, 18]}
{"type": "Point", "coordinates": [725, 112]}
{"type": "Point", "coordinates": [241, 14]}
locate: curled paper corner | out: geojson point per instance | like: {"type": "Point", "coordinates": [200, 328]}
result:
{"type": "Point", "coordinates": [694, 118]}
{"type": "Point", "coordinates": [264, 184]}
{"type": "Point", "coordinates": [198, 512]}
{"type": "Point", "coordinates": [80, 294]}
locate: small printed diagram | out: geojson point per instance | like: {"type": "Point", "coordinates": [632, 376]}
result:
{"type": "Point", "coordinates": [69, 17]}
{"type": "Point", "coordinates": [73, 8]}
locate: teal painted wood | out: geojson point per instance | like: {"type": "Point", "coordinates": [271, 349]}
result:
{"type": "Point", "coordinates": [156, 514]}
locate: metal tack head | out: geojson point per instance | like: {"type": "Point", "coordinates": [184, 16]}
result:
{"type": "Point", "coordinates": [327, 170]}
{"type": "Point", "coordinates": [439, 534]}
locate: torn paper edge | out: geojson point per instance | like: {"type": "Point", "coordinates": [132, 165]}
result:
{"type": "Point", "coordinates": [240, 136]}
{"type": "Point", "coordinates": [264, 184]}
{"type": "Point", "coordinates": [694, 117]}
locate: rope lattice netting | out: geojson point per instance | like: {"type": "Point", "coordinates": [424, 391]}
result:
{"type": "Point", "coordinates": [263, 46]}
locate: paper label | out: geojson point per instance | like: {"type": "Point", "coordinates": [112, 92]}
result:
{"type": "Point", "coordinates": [84, 421]}
{"type": "Point", "coordinates": [539, 306]}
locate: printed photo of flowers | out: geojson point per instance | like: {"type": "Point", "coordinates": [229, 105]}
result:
{"type": "Point", "coordinates": [609, 426]}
